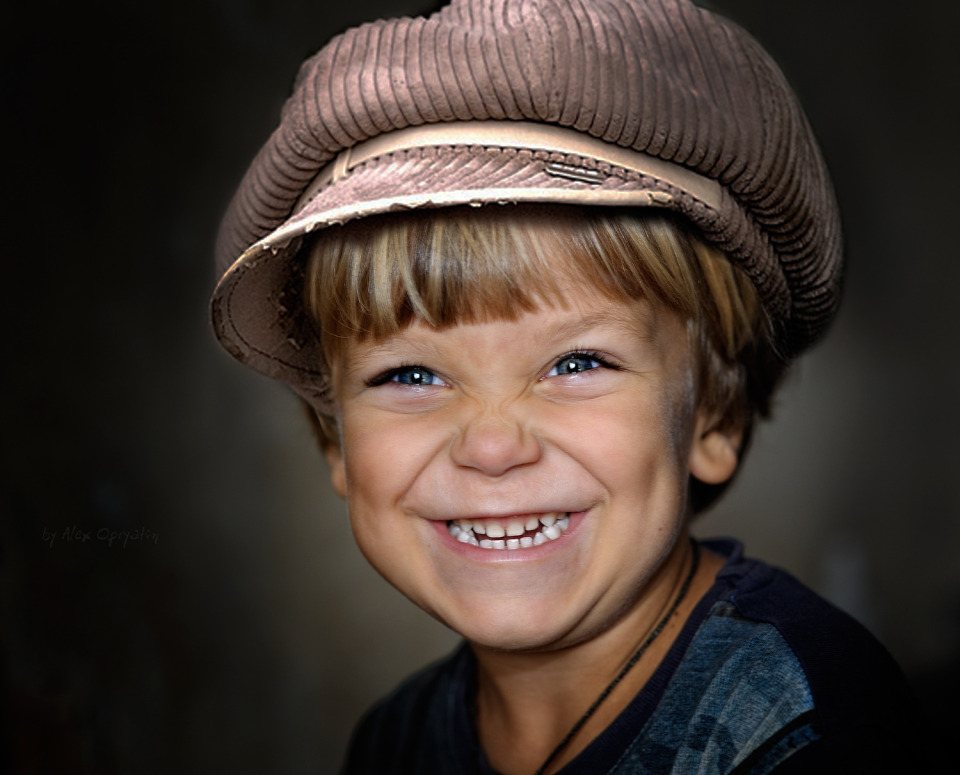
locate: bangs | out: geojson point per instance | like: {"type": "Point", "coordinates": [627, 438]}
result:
{"type": "Point", "coordinates": [373, 277]}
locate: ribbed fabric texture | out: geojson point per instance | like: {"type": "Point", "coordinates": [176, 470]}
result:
{"type": "Point", "coordinates": [660, 76]}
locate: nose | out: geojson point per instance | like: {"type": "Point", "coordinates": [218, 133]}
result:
{"type": "Point", "coordinates": [494, 443]}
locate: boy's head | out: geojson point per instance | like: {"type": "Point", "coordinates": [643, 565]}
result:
{"type": "Point", "coordinates": [653, 145]}
{"type": "Point", "coordinates": [520, 473]}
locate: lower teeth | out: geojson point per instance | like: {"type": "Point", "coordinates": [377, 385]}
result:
{"type": "Point", "coordinates": [542, 536]}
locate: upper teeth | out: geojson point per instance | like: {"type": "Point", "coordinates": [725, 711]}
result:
{"type": "Point", "coordinates": [509, 533]}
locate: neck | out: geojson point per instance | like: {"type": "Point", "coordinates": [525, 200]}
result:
{"type": "Point", "coordinates": [528, 702]}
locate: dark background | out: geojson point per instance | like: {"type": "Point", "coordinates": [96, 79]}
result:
{"type": "Point", "coordinates": [235, 627]}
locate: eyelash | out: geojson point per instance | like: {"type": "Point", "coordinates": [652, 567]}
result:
{"type": "Point", "coordinates": [593, 355]}
{"type": "Point", "coordinates": [602, 360]}
{"type": "Point", "coordinates": [389, 374]}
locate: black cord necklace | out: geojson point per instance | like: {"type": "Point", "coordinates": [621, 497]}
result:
{"type": "Point", "coordinates": [633, 660]}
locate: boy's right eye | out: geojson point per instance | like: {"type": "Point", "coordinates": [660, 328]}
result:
{"type": "Point", "coordinates": [414, 376]}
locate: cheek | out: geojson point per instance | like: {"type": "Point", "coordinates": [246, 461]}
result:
{"type": "Point", "coordinates": [368, 464]}
{"type": "Point", "coordinates": [382, 463]}
{"type": "Point", "coordinates": [635, 436]}
{"type": "Point", "coordinates": [375, 475]}
{"type": "Point", "coordinates": [680, 404]}
{"type": "Point", "coordinates": [382, 458]}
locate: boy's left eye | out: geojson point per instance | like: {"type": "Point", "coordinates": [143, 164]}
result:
{"type": "Point", "coordinates": [575, 363]}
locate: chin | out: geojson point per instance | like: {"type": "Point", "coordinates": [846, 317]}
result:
{"type": "Point", "coordinates": [511, 642]}
{"type": "Point", "coordinates": [513, 635]}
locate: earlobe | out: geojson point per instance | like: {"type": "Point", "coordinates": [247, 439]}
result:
{"type": "Point", "coordinates": [338, 473]}
{"type": "Point", "coordinates": [715, 453]}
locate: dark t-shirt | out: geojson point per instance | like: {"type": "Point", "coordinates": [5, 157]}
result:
{"type": "Point", "coordinates": [765, 676]}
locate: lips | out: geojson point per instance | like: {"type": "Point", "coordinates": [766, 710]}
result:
{"type": "Point", "coordinates": [510, 533]}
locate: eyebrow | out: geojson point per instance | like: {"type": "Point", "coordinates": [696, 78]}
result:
{"type": "Point", "coordinates": [641, 321]}
{"type": "Point", "coordinates": [391, 346]}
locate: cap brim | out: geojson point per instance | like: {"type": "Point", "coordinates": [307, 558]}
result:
{"type": "Point", "coordinates": [255, 317]}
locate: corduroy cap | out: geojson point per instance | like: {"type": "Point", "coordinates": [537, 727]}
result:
{"type": "Point", "coordinates": [599, 102]}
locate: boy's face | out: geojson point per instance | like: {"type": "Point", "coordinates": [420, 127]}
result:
{"type": "Point", "coordinates": [583, 411]}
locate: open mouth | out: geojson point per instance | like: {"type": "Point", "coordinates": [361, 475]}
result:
{"type": "Point", "coordinates": [510, 533]}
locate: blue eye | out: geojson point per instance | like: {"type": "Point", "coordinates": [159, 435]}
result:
{"type": "Point", "coordinates": [415, 376]}
{"type": "Point", "coordinates": [575, 363]}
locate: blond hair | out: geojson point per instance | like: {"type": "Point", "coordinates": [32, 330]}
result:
{"type": "Point", "coordinates": [373, 277]}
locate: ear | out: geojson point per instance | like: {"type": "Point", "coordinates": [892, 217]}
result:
{"type": "Point", "coordinates": [338, 473]}
{"type": "Point", "coordinates": [715, 452]}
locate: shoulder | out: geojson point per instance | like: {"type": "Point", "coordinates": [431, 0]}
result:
{"type": "Point", "coordinates": [850, 674]}
{"type": "Point", "coordinates": [775, 679]}
{"type": "Point", "coordinates": [847, 691]}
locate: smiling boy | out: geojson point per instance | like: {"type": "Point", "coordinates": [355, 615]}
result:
{"type": "Point", "coordinates": [536, 268]}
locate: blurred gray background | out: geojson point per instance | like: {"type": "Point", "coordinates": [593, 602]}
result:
{"type": "Point", "coordinates": [179, 591]}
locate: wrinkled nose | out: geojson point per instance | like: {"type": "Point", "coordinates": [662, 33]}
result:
{"type": "Point", "coordinates": [494, 444]}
